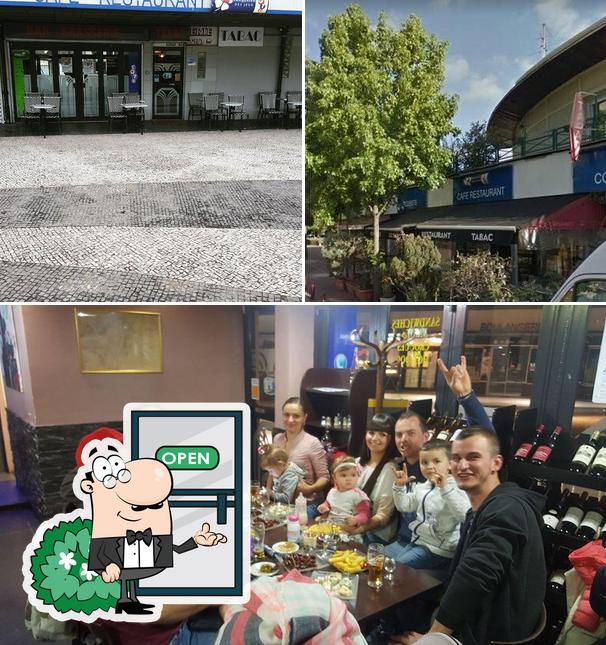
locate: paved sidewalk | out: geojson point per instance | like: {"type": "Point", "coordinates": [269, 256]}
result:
{"type": "Point", "coordinates": [192, 216]}
{"type": "Point", "coordinates": [316, 271]}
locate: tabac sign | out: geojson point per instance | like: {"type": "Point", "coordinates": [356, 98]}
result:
{"type": "Point", "coordinates": [220, 6]}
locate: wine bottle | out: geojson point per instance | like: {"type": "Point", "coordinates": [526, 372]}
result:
{"type": "Point", "coordinates": [598, 466]}
{"type": "Point", "coordinates": [557, 581]}
{"type": "Point", "coordinates": [527, 448]}
{"type": "Point", "coordinates": [446, 433]}
{"type": "Point", "coordinates": [542, 453]}
{"type": "Point", "coordinates": [592, 520]}
{"type": "Point", "coordinates": [585, 454]}
{"type": "Point", "coordinates": [574, 514]}
{"type": "Point", "coordinates": [555, 510]}
{"type": "Point", "coordinates": [539, 485]}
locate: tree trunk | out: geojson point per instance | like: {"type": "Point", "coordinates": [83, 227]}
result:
{"type": "Point", "coordinates": [376, 214]}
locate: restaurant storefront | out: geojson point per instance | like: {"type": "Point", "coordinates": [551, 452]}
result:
{"type": "Point", "coordinates": [86, 51]}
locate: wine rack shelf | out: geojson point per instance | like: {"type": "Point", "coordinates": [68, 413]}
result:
{"type": "Point", "coordinates": [518, 469]}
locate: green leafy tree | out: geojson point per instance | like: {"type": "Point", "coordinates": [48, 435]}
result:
{"type": "Point", "coordinates": [375, 117]}
{"type": "Point", "coordinates": [474, 149]}
{"type": "Point", "coordinates": [415, 268]}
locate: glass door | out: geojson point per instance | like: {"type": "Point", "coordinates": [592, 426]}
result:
{"type": "Point", "coordinates": [67, 83]}
{"type": "Point", "coordinates": [88, 82]}
{"type": "Point", "coordinates": [168, 82]}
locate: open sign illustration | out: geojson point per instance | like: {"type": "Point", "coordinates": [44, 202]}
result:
{"type": "Point", "coordinates": [160, 523]}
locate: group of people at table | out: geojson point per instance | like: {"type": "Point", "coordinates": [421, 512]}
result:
{"type": "Point", "coordinates": [435, 506]}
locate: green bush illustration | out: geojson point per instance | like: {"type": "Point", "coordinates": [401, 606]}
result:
{"type": "Point", "coordinates": [60, 571]}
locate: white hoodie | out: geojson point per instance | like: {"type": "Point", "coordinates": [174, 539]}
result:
{"type": "Point", "coordinates": [439, 514]}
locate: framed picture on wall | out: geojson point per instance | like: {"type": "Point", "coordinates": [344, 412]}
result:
{"type": "Point", "coordinates": [117, 341]}
{"type": "Point", "coordinates": [11, 371]}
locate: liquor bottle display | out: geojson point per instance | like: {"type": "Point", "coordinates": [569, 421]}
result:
{"type": "Point", "coordinates": [556, 505]}
{"type": "Point", "coordinates": [585, 454]}
{"type": "Point", "coordinates": [543, 453]}
{"type": "Point", "coordinates": [592, 520]}
{"type": "Point", "coordinates": [574, 513]}
{"type": "Point", "coordinates": [526, 449]}
{"type": "Point", "coordinates": [448, 431]}
{"type": "Point", "coordinates": [598, 466]}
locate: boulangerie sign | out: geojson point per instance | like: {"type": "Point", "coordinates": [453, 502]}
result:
{"type": "Point", "coordinates": [599, 387]}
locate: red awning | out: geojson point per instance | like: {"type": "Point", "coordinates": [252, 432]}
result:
{"type": "Point", "coordinates": [584, 214]}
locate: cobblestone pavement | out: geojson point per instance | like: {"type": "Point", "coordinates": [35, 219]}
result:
{"type": "Point", "coordinates": [162, 217]}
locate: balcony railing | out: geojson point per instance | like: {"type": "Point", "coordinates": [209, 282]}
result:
{"type": "Point", "coordinates": [551, 141]}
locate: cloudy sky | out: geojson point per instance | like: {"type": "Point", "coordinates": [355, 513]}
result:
{"type": "Point", "coordinates": [492, 42]}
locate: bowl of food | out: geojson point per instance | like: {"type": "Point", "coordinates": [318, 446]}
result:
{"type": "Point", "coordinates": [265, 568]}
{"type": "Point", "coordinates": [285, 548]}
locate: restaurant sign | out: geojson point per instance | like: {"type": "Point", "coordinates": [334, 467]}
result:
{"type": "Point", "coordinates": [490, 186]}
{"type": "Point", "coordinates": [412, 199]}
{"type": "Point", "coordinates": [487, 235]}
{"type": "Point", "coordinates": [589, 172]}
{"type": "Point", "coordinates": [223, 6]}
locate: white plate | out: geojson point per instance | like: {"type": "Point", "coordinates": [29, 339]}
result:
{"type": "Point", "coordinates": [279, 547]}
{"type": "Point", "coordinates": [255, 569]}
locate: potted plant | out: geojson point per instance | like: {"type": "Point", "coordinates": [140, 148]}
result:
{"type": "Point", "coordinates": [363, 289]}
{"type": "Point", "coordinates": [336, 250]}
{"type": "Point", "coordinates": [387, 294]}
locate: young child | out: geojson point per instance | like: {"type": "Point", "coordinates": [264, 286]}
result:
{"type": "Point", "coordinates": [346, 502]}
{"type": "Point", "coordinates": [441, 507]}
{"type": "Point", "coordinates": [286, 475]}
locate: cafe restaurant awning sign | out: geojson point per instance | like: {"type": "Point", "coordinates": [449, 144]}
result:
{"type": "Point", "coordinates": [203, 6]}
{"type": "Point", "coordinates": [490, 186]}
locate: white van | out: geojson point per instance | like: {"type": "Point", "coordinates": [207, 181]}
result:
{"type": "Point", "coordinates": [587, 283]}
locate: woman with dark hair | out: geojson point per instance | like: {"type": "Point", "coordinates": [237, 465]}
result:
{"type": "Point", "coordinates": [377, 478]}
{"type": "Point", "coordinates": [305, 451]}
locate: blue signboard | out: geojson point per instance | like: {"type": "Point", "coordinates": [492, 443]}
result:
{"type": "Point", "coordinates": [490, 186]}
{"type": "Point", "coordinates": [589, 172]}
{"type": "Point", "coordinates": [412, 199]}
{"type": "Point", "coordinates": [225, 6]}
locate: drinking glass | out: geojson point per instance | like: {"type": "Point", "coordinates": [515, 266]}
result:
{"type": "Point", "coordinates": [310, 540]}
{"type": "Point", "coordinates": [255, 487]}
{"type": "Point", "coordinates": [389, 566]}
{"type": "Point", "coordinates": [376, 559]}
{"type": "Point", "coordinates": [257, 535]}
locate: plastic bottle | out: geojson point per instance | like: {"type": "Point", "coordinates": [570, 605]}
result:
{"type": "Point", "coordinates": [301, 509]}
{"type": "Point", "coordinates": [293, 529]}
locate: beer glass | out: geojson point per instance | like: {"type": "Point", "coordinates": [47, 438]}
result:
{"type": "Point", "coordinates": [255, 487]}
{"type": "Point", "coordinates": [257, 536]}
{"type": "Point", "coordinates": [375, 559]}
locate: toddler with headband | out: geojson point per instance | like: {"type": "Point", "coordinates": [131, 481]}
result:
{"type": "Point", "coordinates": [345, 502]}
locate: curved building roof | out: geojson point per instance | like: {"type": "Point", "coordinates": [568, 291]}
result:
{"type": "Point", "coordinates": [574, 56]}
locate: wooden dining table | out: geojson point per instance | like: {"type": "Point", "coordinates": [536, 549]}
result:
{"type": "Point", "coordinates": [370, 603]}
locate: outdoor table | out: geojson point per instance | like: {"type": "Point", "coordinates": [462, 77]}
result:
{"type": "Point", "coordinates": [297, 105]}
{"type": "Point", "coordinates": [231, 109]}
{"type": "Point", "coordinates": [371, 604]}
{"type": "Point", "coordinates": [132, 108]}
{"type": "Point", "coordinates": [42, 108]}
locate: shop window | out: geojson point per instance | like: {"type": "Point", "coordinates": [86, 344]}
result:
{"type": "Point", "coordinates": [67, 87]}
{"type": "Point", "coordinates": [500, 344]}
{"type": "Point", "coordinates": [44, 71]}
{"type": "Point", "coordinates": [585, 411]}
{"type": "Point", "coordinates": [413, 365]}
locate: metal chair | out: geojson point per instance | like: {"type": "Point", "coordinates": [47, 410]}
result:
{"type": "Point", "coordinates": [267, 106]}
{"type": "Point", "coordinates": [53, 112]}
{"type": "Point", "coordinates": [115, 111]}
{"type": "Point", "coordinates": [210, 105]}
{"type": "Point", "coordinates": [29, 114]}
{"type": "Point", "coordinates": [195, 104]}
{"type": "Point", "coordinates": [294, 110]}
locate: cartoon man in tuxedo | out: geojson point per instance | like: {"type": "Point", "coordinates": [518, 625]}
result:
{"type": "Point", "coordinates": [132, 526]}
